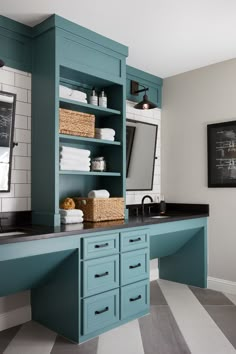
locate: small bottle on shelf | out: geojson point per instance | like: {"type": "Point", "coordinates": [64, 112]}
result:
{"type": "Point", "coordinates": [102, 100]}
{"type": "Point", "coordinates": [93, 99]}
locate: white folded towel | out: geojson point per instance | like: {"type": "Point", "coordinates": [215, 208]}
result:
{"type": "Point", "coordinates": [71, 219]}
{"type": "Point", "coordinates": [75, 151]}
{"type": "Point", "coordinates": [78, 95]}
{"type": "Point", "coordinates": [65, 92]}
{"type": "Point", "coordinates": [70, 167]}
{"type": "Point", "coordinates": [104, 137]}
{"type": "Point", "coordinates": [107, 131]}
{"type": "Point", "coordinates": [99, 193]}
{"type": "Point", "coordinates": [71, 212]}
{"type": "Point", "coordinates": [64, 156]}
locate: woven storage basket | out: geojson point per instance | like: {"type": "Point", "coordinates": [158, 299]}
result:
{"type": "Point", "coordinates": [101, 209]}
{"type": "Point", "coordinates": [77, 123]}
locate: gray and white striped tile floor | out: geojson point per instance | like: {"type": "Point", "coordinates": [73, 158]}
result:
{"type": "Point", "coordinates": [182, 320]}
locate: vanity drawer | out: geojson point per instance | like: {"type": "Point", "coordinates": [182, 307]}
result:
{"type": "Point", "coordinates": [135, 298]}
{"type": "Point", "coordinates": [100, 275]}
{"type": "Point", "coordinates": [100, 311]}
{"type": "Point", "coordinates": [99, 246]}
{"type": "Point", "coordinates": [132, 240]}
{"type": "Point", "coordinates": [134, 266]}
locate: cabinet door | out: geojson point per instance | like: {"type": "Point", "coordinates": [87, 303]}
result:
{"type": "Point", "coordinates": [135, 299]}
{"type": "Point", "coordinates": [100, 311]}
{"type": "Point", "coordinates": [100, 275]}
{"type": "Point", "coordinates": [134, 266]}
{"type": "Point", "coordinates": [100, 246]}
{"type": "Point", "coordinates": [133, 240]}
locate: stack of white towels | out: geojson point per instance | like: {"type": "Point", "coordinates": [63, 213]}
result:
{"type": "Point", "coordinates": [105, 134]}
{"type": "Point", "coordinates": [73, 159]}
{"type": "Point", "coordinates": [76, 95]}
{"type": "Point", "coordinates": [72, 216]}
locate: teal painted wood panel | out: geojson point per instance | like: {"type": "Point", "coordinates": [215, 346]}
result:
{"type": "Point", "coordinates": [134, 266]}
{"type": "Point", "coordinates": [154, 84]}
{"type": "Point", "coordinates": [55, 304]}
{"type": "Point", "coordinates": [100, 311]}
{"type": "Point", "coordinates": [135, 299]}
{"type": "Point", "coordinates": [28, 272]}
{"type": "Point", "coordinates": [100, 245]}
{"type": "Point", "coordinates": [15, 44]}
{"type": "Point", "coordinates": [189, 264]}
{"type": "Point", "coordinates": [134, 239]}
{"type": "Point", "coordinates": [100, 275]}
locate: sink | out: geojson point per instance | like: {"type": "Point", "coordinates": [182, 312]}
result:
{"type": "Point", "coordinates": [160, 217]}
{"type": "Point", "coordinates": [12, 233]}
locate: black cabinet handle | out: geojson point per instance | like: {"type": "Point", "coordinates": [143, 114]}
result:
{"type": "Point", "coordinates": [135, 239]}
{"type": "Point", "coordinates": [102, 311]}
{"type": "Point", "coordinates": [101, 275]}
{"type": "Point", "coordinates": [102, 245]}
{"type": "Point", "coordinates": [135, 298]}
{"type": "Point", "coordinates": [135, 266]}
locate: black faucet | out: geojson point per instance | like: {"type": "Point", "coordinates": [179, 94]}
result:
{"type": "Point", "coordinates": [143, 200]}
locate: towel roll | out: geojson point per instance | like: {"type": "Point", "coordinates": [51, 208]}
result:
{"type": "Point", "coordinates": [71, 212]}
{"type": "Point", "coordinates": [71, 219]}
{"type": "Point", "coordinates": [104, 137]}
{"type": "Point", "coordinates": [99, 193]}
{"type": "Point", "coordinates": [107, 131]}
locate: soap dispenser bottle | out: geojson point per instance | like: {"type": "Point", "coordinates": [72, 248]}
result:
{"type": "Point", "coordinates": [162, 205]}
{"type": "Point", "coordinates": [93, 99]}
{"type": "Point", "coordinates": [102, 100]}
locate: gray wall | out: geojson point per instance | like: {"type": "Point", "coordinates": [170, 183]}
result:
{"type": "Point", "coordinates": [190, 102]}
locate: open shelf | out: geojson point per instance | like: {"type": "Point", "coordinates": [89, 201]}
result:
{"type": "Point", "coordinates": [77, 139]}
{"type": "Point", "coordinates": [90, 173]}
{"type": "Point", "coordinates": [87, 108]}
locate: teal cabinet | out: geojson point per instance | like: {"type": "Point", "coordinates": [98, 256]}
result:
{"type": "Point", "coordinates": [134, 266]}
{"type": "Point", "coordinates": [100, 311]}
{"type": "Point", "coordinates": [105, 245]}
{"type": "Point", "coordinates": [100, 275]}
{"type": "Point", "coordinates": [135, 299]}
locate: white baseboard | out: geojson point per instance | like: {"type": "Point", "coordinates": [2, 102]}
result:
{"type": "Point", "coordinates": [15, 317]}
{"type": "Point", "coordinates": [225, 286]}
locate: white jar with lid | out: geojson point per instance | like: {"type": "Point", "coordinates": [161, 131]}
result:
{"type": "Point", "coordinates": [98, 164]}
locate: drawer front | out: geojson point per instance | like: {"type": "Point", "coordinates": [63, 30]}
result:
{"type": "Point", "coordinates": [135, 298]}
{"type": "Point", "coordinates": [100, 311]}
{"type": "Point", "coordinates": [100, 275]}
{"type": "Point", "coordinates": [133, 240]}
{"type": "Point", "coordinates": [134, 266]}
{"type": "Point", "coordinates": [99, 246]}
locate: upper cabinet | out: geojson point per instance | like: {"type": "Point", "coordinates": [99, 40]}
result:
{"type": "Point", "coordinates": [67, 54]}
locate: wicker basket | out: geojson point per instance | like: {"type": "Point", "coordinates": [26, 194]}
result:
{"type": "Point", "coordinates": [101, 209]}
{"type": "Point", "coordinates": [77, 123]}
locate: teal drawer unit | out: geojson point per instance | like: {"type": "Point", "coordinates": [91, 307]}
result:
{"type": "Point", "coordinates": [134, 266]}
{"type": "Point", "coordinates": [100, 246]}
{"type": "Point", "coordinates": [132, 240]}
{"type": "Point", "coordinates": [100, 275]}
{"type": "Point", "coordinates": [100, 311]}
{"type": "Point", "coordinates": [135, 299]}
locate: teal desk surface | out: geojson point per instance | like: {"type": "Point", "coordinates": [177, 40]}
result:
{"type": "Point", "coordinates": [175, 212]}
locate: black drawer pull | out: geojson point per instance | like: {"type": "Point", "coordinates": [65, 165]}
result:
{"type": "Point", "coordinates": [135, 239]}
{"type": "Point", "coordinates": [102, 311]}
{"type": "Point", "coordinates": [135, 298]}
{"type": "Point", "coordinates": [135, 266]}
{"type": "Point", "coordinates": [101, 275]}
{"type": "Point", "coordinates": [102, 245]}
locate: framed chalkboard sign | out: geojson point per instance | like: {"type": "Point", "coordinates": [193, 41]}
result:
{"type": "Point", "coordinates": [7, 119]}
{"type": "Point", "coordinates": [221, 143]}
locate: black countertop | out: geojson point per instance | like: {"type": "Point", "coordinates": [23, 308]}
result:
{"type": "Point", "coordinates": [175, 212]}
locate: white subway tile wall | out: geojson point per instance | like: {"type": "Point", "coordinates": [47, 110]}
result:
{"type": "Point", "coordinates": [152, 116]}
{"type": "Point", "coordinates": [19, 198]}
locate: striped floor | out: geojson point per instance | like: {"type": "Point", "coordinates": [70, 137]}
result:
{"type": "Point", "coordinates": [182, 320]}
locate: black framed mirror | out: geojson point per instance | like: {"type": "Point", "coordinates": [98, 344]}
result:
{"type": "Point", "coordinates": [140, 155]}
{"type": "Point", "coordinates": [7, 122]}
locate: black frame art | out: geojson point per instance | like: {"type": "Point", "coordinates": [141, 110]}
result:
{"type": "Point", "coordinates": [221, 151]}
